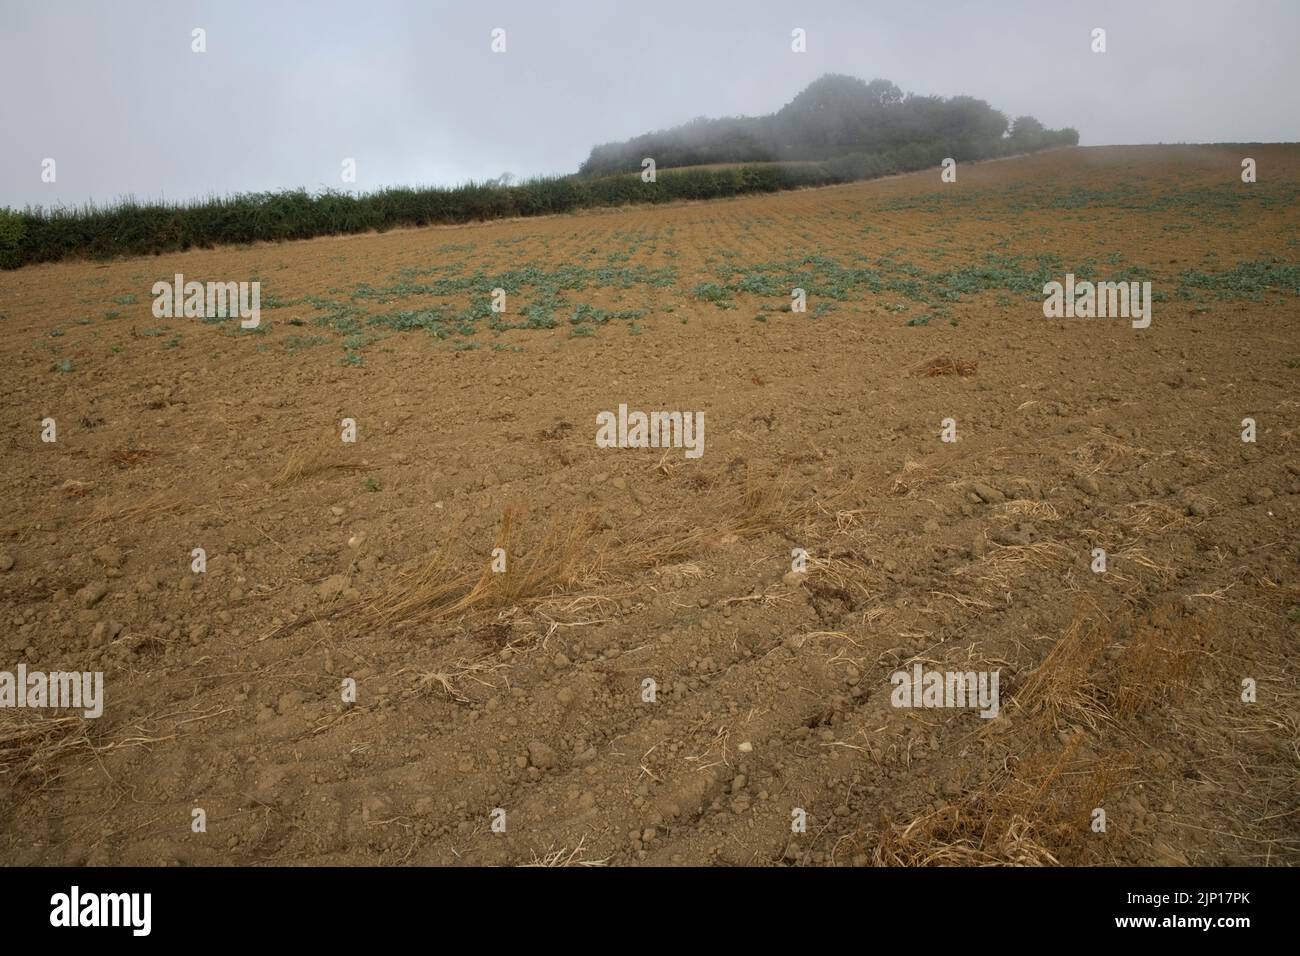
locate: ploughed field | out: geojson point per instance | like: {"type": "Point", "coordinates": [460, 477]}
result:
{"type": "Point", "coordinates": [650, 679]}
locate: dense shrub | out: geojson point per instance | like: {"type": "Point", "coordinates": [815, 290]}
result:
{"type": "Point", "coordinates": [11, 237]}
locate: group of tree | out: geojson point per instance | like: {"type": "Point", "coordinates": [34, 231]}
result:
{"type": "Point", "coordinates": [834, 116]}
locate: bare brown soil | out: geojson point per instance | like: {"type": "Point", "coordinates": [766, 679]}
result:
{"type": "Point", "coordinates": [524, 691]}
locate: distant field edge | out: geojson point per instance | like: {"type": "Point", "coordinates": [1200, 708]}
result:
{"type": "Point", "coordinates": [129, 228]}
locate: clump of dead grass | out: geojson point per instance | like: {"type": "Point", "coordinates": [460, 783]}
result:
{"type": "Point", "coordinates": [1036, 813]}
{"type": "Point", "coordinates": [1102, 450]}
{"type": "Point", "coordinates": [1145, 518]}
{"type": "Point", "coordinates": [321, 456]}
{"type": "Point", "coordinates": [998, 573]}
{"type": "Point", "coordinates": [137, 507]}
{"type": "Point", "coordinates": [1028, 508]}
{"type": "Point", "coordinates": [562, 560]}
{"type": "Point", "coordinates": [565, 857]}
{"type": "Point", "coordinates": [1037, 809]}
{"type": "Point", "coordinates": [840, 573]}
{"type": "Point", "coordinates": [765, 506]}
{"type": "Point", "coordinates": [452, 676]}
{"type": "Point", "coordinates": [1158, 662]}
{"type": "Point", "coordinates": [1114, 670]}
{"type": "Point", "coordinates": [31, 745]}
{"type": "Point", "coordinates": [669, 545]}
{"type": "Point", "coordinates": [1063, 687]}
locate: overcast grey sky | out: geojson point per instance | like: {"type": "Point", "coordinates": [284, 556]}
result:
{"type": "Point", "coordinates": [413, 92]}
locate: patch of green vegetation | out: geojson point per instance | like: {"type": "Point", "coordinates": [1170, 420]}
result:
{"type": "Point", "coordinates": [711, 292]}
{"type": "Point", "coordinates": [337, 316]}
{"type": "Point", "coordinates": [362, 340]}
{"type": "Point", "coordinates": [583, 314]}
{"type": "Point", "coordinates": [758, 283]}
{"type": "Point", "coordinates": [542, 289]}
{"type": "Point", "coordinates": [296, 343]}
{"type": "Point", "coordinates": [1249, 279]}
{"type": "Point", "coordinates": [404, 320]}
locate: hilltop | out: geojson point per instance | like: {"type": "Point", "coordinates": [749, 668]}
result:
{"type": "Point", "coordinates": [836, 116]}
